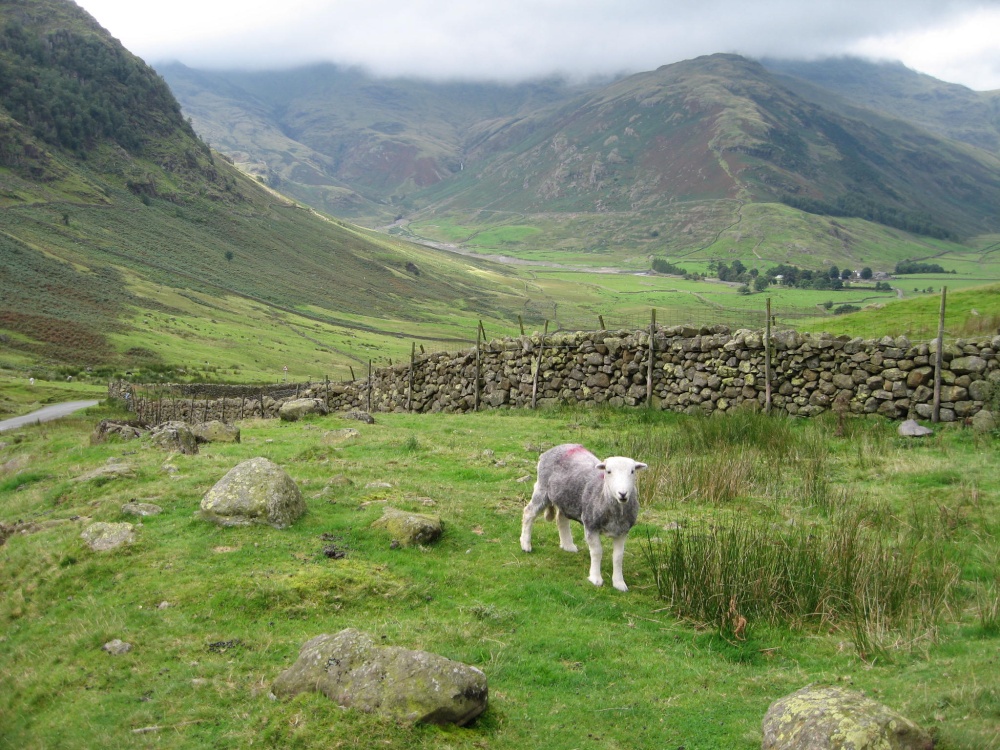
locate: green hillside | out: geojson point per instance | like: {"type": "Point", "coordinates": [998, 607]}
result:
{"type": "Point", "coordinates": [116, 222]}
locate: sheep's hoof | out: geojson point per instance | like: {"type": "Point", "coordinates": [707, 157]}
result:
{"type": "Point", "coordinates": [571, 548]}
{"type": "Point", "coordinates": [526, 546]}
{"type": "Point", "coordinates": [596, 580]}
{"type": "Point", "coordinates": [620, 585]}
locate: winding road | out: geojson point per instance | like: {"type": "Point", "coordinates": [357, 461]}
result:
{"type": "Point", "coordinates": [46, 414]}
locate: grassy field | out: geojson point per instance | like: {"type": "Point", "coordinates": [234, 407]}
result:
{"type": "Point", "coordinates": [214, 615]}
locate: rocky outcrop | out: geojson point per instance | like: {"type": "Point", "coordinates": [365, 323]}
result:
{"type": "Point", "coordinates": [831, 718]}
{"type": "Point", "coordinates": [257, 491]}
{"type": "Point", "coordinates": [413, 686]}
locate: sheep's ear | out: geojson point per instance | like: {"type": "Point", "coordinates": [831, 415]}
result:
{"type": "Point", "coordinates": [600, 466]}
{"type": "Point", "coordinates": [639, 465]}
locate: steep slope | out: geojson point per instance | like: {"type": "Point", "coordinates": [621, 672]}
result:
{"type": "Point", "coordinates": [103, 185]}
{"type": "Point", "coordinates": [948, 109]}
{"type": "Point", "coordinates": [721, 128]}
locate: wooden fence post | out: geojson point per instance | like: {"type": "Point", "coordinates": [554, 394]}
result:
{"type": "Point", "coordinates": [409, 389]}
{"type": "Point", "coordinates": [652, 359]}
{"type": "Point", "coordinates": [939, 359]}
{"type": "Point", "coordinates": [767, 360]}
{"type": "Point", "coordinates": [479, 365]}
{"type": "Point", "coordinates": [538, 366]}
{"type": "Point", "coordinates": [600, 319]}
{"type": "Point", "coordinates": [369, 386]}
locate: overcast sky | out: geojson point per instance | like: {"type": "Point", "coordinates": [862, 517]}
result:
{"type": "Point", "coordinates": [954, 40]}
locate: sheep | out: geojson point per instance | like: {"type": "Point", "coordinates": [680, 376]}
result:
{"type": "Point", "coordinates": [599, 494]}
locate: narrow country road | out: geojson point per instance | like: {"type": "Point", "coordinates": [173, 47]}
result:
{"type": "Point", "coordinates": [46, 414]}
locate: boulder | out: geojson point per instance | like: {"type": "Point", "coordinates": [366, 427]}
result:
{"type": "Point", "coordinates": [413, 686]}
{"type": "Point", "coordinates": [216, 432]}
{"type": "Point", "coordinates": [409, 528]}
{"type": "Point", "coordinates": [984, 421]}
{"type": "Point", "coordinates": [832, 718]}
{"type": "Point", "coordinates": [295, 409]}
{"type": "Point", "coordinates": [257, 491]}
{"type": "Point", "coordinates": [102, 537]}
{"type": "Point", "coordinates": [912, 428]}
{"type": "Point", "coordinates": [174, 436]}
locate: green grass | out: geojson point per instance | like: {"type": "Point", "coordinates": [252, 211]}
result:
{"type": "Point", "coordinates": [569, 665]}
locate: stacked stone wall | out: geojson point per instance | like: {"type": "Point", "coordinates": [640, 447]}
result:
{"type": "Point", "coordinates": [702, 370]}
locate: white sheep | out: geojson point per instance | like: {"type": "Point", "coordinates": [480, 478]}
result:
{"type": "Point", "coordinates": [599, 494]}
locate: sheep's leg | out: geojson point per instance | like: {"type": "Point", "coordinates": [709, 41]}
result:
{"type": "Point", "coordinates": [565, 532]}
{"type": "Point", "coordinates": [596, 553]}
{"type": "Point", "coordinates": [531, 511]}
{"type": "Point", "coordinates": [617, 555]}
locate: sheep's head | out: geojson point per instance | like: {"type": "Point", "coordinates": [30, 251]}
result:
{"type": "Point", "coordinates": [619, 477]}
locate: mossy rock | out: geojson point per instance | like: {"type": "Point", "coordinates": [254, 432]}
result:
{"type": "Point", "coordinates": [409, 529]}
{"type": "Point", "coordinates": [832, 718]}
{"type": "Point", "coordinates": [412, 686]}
{"type": "Point", "coordinates": [257, 491]}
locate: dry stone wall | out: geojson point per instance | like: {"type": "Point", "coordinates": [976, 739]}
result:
{"type": "Point", "coordinates": [694, 370]}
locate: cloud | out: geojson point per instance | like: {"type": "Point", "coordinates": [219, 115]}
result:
{"type": "Point", "coordinates": [517, 39]}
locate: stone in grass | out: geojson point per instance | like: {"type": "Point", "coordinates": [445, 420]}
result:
{"type": "Point", "coordinates": [409, 529]}
{"type": "Point", "coordinates": [174, 436]}
{"type": "Point", "coordinates": [216, 432]}
{"type": "Point", "coordinates": [295, 409]}
{"type": "Point", "coordinates": [117, 647]}
{"type": "Point", "coordinates": [359, 415]}
{"type": "Point", "coordinates": [257, 491]}
{"type": "Point", "coordinates": [102, 537]}
{"type": "Point", "coordinates": [413, 686]}
{"type": "Point", "coordinates": [135, 508]}
{"type": "Point", "coordinates": [912, 428]}
{"type": "Point", "coordinates": [832, 718]}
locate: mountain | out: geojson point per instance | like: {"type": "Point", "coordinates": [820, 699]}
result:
{"type": "Point", "coordinates": [115, 217]}
{"type": "Point", "coordinates": [663, 161]}
{"type": "Point", "coordinates": [342, 141]}
{"type": "Point", "coordinates": [948, 109]}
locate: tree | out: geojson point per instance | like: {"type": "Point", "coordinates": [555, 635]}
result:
{"type": "Point", "coordinates": [834, 272]}
{"type": "Point", "coordinates": [846, 274]}
{"type": "Point", "coordinates": [866, 273]}
{"type": "Point", "coordinates": [229, 254]}
{"type": "Point", "coordinates": [761, 283]}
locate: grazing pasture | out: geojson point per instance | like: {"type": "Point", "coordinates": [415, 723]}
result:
{"type": "Point", "coordinates": [688, 659]}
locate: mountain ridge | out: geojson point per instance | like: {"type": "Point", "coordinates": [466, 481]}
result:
{"type": "Point", "coordinates": [749, 133]}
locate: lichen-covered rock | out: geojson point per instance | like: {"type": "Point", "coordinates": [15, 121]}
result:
{"type": "Point", "coordinates": [832, 718]}
{"type": "Point", "coordinates": [102, 537]}
{"type": "Point", "coordinates": [414, 686]}
{"type": "Point", "coordinates": [174, 436]}
{"type": "Point", "coordinates": [294, 410]}
{"type": "Point", "coordinates": [216, 432]}
{"type": "Point", "coordinates": [409, 528]}
{"type": "Point", "coordinates": [257, 491]}
{"type": "Point", "coordinates": [331, 437]}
